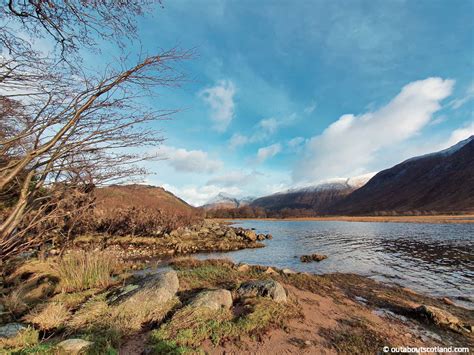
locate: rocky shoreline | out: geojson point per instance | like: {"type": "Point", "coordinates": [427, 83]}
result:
{"type": "Point", "coordinates": [206, 236]}
{"type": "Point", "coordinates": [217, 307]}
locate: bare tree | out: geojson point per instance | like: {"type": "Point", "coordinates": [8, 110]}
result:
{"type": "Point", "coordinates": [63, 130]}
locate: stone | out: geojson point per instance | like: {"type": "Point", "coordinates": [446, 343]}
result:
{"type": "Point", "coordinates": [439, 317]}
{"type": "Point", "coordinates": [74, 346]}
{"type": "Point", "coordinates": [162, 286]}
{"type": "Point", "coordinates": [243, 268]}
{"type": "Point", "coordinates": [213, 299]}
{"type": "Point", "coordinates": [230, 234]}
{"type": "Point", "coordinates": [270, 271]}
{"type": "Point", "coordinates": [11, 330]}
{"type": "Point", "coordinates": [250, 235]}
{"type": "Point", "coordinates": [263, 288]}
{"type": "Point", "coordinates": [288, 271]}
{"type": "Point", "coordinates": [448, 301]}
{"type": "Point", "coordinates": [312, 257]}
{"type": "Point", "coordinates": [268, 236]}
{"type": "Point", "coordinates": [260, 236]}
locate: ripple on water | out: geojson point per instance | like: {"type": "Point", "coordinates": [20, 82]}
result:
{"type": "Point", "coordinates": [436, 259]}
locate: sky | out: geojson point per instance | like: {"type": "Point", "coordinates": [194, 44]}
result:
{"type": "Point", "coordinates": [291, 93]}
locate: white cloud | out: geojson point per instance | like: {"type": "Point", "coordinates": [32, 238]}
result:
{"type": "Point", "coordinates": [347, 147]}
{"type": "Point", "coordinates": [267, 152]}
{"type": "Point", "coordinates": [234, 178]}
{"type": "Point", "coordinates": [295, 142]}
{"type": "Point", "coordinates": [189, 161]}
{"type": "Point", "coordinates": [459, 134]}
{"type": "Point", "coordinates": [262, 131]}
{"type": "Point", "coordinates": [220, 98]}
{"type": "Point", "coordinates": [468, 96]}
{"type": "Point", "coordinates": [310, 109]}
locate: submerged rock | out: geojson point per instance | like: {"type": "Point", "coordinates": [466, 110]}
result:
{"type": "Point", "coordinates": [312, 257]}
{"type": "Point", "coordinates": [213, 299]}
{"type": "Point", "coordinates": [263, 288]}
{"type": "Point", "coordinates": [74, 346]}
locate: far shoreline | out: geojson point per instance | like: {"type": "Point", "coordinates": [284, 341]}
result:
{"type": "Point", "coordinates": [433, 219]}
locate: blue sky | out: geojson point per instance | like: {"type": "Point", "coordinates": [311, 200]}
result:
{"type": "Point", "coordinates": [289, 93]}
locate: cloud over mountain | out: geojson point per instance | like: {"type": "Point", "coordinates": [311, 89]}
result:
{"type": "Point", "coordinates": [348, 146]}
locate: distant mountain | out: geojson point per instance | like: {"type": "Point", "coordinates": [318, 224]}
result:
{"type": "Point", "coordinates": [315, 198]}
{"type": "Point", "coordinates": [437, 182]}
{"type": "Point", "coordinates": [225, 201]}
{"type": "Point", "coordinates": [140, 196]}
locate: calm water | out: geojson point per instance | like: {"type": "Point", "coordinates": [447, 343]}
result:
{"type": "Point", "coordinates": [435, 259]}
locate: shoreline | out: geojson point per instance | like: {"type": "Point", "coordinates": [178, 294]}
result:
{"type": "Point", "coordinates": [435, 219]}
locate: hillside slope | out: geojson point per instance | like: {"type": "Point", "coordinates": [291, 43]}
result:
{"type": "Point", "coordinates": [225, 201]}
{"type": "Point", "coordinates": [437, 182]}
{"type": "Point", "coordinates": [313, 198]}
{"type": "Point", "coordinates": [140, 196]}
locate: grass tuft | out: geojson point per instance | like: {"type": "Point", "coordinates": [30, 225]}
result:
{"type": "Point", "coordinates": [50, 316]}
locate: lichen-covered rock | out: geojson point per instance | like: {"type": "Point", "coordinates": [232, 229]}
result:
{"type": "Point", "coordinates": [213, 299]}
{"type": "Point", "coordinates": [263, 288]}
{"type": "Point", "coordinates": [11, 330]}
{"type": "Point", "coordinates": [74, 346]}
{"type": "Point", "coordinates": [250, 235]}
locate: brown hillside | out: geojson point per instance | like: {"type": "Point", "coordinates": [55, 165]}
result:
{"type": "Point", "coordinates": [140, 196]}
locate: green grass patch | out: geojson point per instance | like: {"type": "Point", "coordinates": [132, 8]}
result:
{"type": "Point", "coordinates": [190, 327]}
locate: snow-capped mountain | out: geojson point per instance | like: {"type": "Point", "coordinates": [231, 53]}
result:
{"type": "Point", "coordinates": [315, 197]}
{"type": "Point", "coordinates": [438, 182]}
{"type": "Point", "coordinates": [223, 200]}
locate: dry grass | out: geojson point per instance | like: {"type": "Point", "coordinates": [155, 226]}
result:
{"type": "Point", "coordinates": [14, 301]}
{"type": "Point", "coordinates": [50, 316]}
{"type": "Point", "coordinates": [76, 271]}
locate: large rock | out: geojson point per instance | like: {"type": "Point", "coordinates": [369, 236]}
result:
{"type": "Point", "coordinates": [263, 288]}
{"type": "Point", "coordinates": [213, 299]}
{"type": "Point", "coordinates": [439, 317]}
{"type": "Point", "coordinates": [161, 286]}
{"type": "Point", "coordinates": [74, 346]}
{"type": "Point", "coordinates": [250, 235]}
{"type": "Point", "coordinates": [11, 330]}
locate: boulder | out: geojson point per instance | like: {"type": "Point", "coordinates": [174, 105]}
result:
{"type": "Point", "coordinates": [213, 299]}
{"type": "Point", "coordinates": [268, 236]}
{"type": "Point", "coordinates": [439, 317]}
{"type": "Point", "coordinates": [288, 271]}
{"type": "Point", "coordinates": [312, 257]}
{"type": "Point", "coordinates": [263, 288]}
{"type": "Point", "coordinates": [161, 286]}
{"type": "Point", "coordinates": [250, 235]}
{"type": "Point", "coordinates": [11, 330]}
{"type": "Point", "coordinates": [260, 236]}
{"type": "Point", "coordinates": [74, 346]}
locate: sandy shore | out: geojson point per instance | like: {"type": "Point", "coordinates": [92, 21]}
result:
{"type": "Point", "coordinates": [435, 219]}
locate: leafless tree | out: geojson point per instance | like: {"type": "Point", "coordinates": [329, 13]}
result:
{"type": "Point", "coordinates": [62, 129]}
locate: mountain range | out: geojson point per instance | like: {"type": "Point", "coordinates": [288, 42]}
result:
{"type": "Point", "coordinates": [439, 182]}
